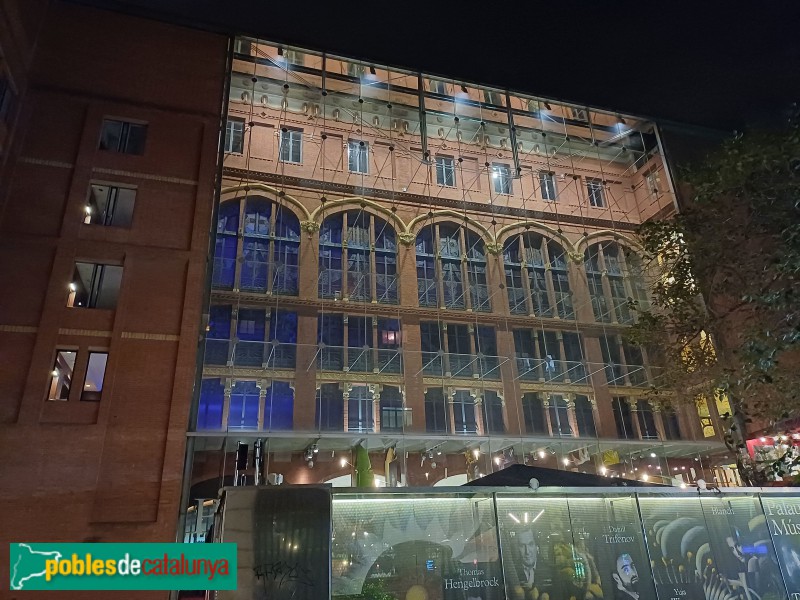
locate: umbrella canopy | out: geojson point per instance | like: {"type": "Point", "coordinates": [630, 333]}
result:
{"type": "Point", "coordinates": [520, 476]}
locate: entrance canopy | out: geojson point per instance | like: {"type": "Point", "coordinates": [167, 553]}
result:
{"type": "Point", "coordinates": [521, 475]}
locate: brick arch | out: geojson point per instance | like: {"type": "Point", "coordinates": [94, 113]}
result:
{"type": "Point", "coordinates": [333, 207]}
{"type": "Point", "coordinates": [606, 235]}
{"type": "Point", "coordinates": [270, 192]}
{"type": "Point", "coordinates": [536, 227]}
{"type": "Point", "coordinates": [440, 216]}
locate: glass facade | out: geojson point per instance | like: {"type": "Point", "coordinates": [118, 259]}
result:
{"type": "Point", "coordinates": [437, 271]}
{"type": "Point", "coordinates": [493, 545]}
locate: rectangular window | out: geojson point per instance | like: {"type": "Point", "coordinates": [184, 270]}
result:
{"type": "Point", "coordinates": [242, 46]}
{"type": "Point", "coordinates": [547, 183]}
{"type": "Point", "coordinates": [291, 146]}
{"type": "Point", "coordinates": [110, 205]}
{"type": "Point", "coordinates": [63, 369]}
{"type": "Point", "coordinates": [357, 155]}
{"type": "Point", "coordinates": [594, 187]}
{"type": "Point", "coordinates": [623, 418]}
{"type": "Point", "coordinates": [123, 136]}
{"type": "Point", "coordinates": [95, 374]}
{"type": "Point", "coordinates": [234, 135]}
{"type": "Point", "coordinates": [95, 286]}
{"type": "Point", "coordinates": [653, 182]}
{"type": "Point", "coordinates": [437, 87]}
{"type": "Point", "coordinates": [501, 175]}
{"type": "Point", "coordinates": [445, 171]}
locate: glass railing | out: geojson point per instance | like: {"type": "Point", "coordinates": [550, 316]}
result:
{"type": "Point", "coordinates": [565, 371]}
{"type": "Point", "coordinates": [441, 364]}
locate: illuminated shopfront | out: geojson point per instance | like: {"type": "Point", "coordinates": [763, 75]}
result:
{"type": "Point", "coordinates": [493, 544]}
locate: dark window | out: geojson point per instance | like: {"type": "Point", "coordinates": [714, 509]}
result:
{"type": "Point", "coordinates": [242, 46]}
{"type": "Point", "coordinates": [672, 428]}
{"type": "Point", "coordinates": [95, 286]}
{"type": "Point", "coordinates": [358, 156]}
{"type": "Point", "coordinates": [234, 135]}
{"type": "Point", "coordinates": [123, 136]}
{"type": "Point", "coordinates": [358, 258]}
{"type": "Point", "coordinates": [330, 407]}
{"type": "Point", "coordinates": [95, 375]}
{"type": "Point", "coordinates": [623, 418]}
{"type": "Point", "coordinates": [437, 415]}
{"type": "Point", "coordinates": [547, 183]}
{"type": "Point", "coordinates": [559, 416]}
{"type": "Point", "coordinates": [63, 370]}
{"type": "Point", "coordinates": [596, 192]}
{"type": "Point", "coordinates": [493, 413]}
{"type": "Point", "coordinates": [291, 146]}
{"type": "Point", "coordinates": [279, 407]}
{"type": "Point", "coordinates": [533, 410]}
{"type": "Point", "coordinates": [535, 269]}
{"type": "Point", "coordinates": [218, 334]}
{"type": "Point", "coordinates": [110, 205]}
{"type": "Point", "coordinates": [501, 175]}
{"type": "Point", "coordinates": [209, 410]}
{"type": "Point", "coordinates": [612, 359]}
{"type": "Point", "coordinates": [647, 422]}
{"type": "Point", "coordinates": [445, 171]}
{"type": "Point", "coordinates": [330, 336]}
{"type": "Point", "coordinates": [392, 414]}
{"type": "Point", "coordinates": [359, 410]}
{"type": "Point", "coordinates": [584, 415]}
{"type": "Point", "coordinates": [464, 412]}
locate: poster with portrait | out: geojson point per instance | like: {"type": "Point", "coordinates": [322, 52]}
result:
{"type": "Point", "coordinates": [416, 548]}
{"type": "Point", "coordinates": [582, 548]}
{"type": "Point", "coordinates": [782, 517]}
{"type": "Point", "coordinates": [710, 547]}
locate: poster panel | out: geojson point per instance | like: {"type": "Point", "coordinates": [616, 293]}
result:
{"type": "Point", "coordinates": [782, 516]}
{"type": "Point", "coordinates": [415, 548]}
{"type": "Point", "coordinates": [559, 548]}
{"type": "Point", "coordinates": [711, 547]}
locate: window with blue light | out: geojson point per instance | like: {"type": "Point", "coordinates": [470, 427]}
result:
{"type": "Point", "coordinates": [209, 410]}
{"type": "Point", "coordinates": [330, 408]}
{"type": "Point", "coordinates": [279, 407]}
{"type": "Point", "coordinates": [218, 334]}
{"type": "Point", "coordinates": [243, 411]}
{"type": "Point", "coordinates": [226, 245]}
{"type": "Point", "coordinates": [282, 347]}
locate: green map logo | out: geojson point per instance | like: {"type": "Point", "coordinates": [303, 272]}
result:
{"type": "Point", "coordinates": [122, 566]}
{"type": "Point", "coordinates": [29, 564]}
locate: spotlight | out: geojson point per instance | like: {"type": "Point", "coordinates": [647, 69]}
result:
{"type": "Point", "coordinates": [652, 455]}
{"type": "Point", "coordinates": [73, 287]}
{"type": "Point", "coordinates": [566, 461]}
{"type": "Point", "coordinates": [542, 454]}
{"type": "Point", "coordinates": [55, 373]}
{"type": "Point", "coordinates": [343, 463]}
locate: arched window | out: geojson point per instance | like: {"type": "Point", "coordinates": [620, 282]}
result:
{"type": "Point", "coordinates": [358, 258]}
{"type": "Point", "coordinates": [270, 247]}
{"type": "Point", "coordinates": [224, 274]}
{"type": "Point", "coordinates": [448, 256]}
{"type": "Point", "coordinates": [615, 276]}
{"type": "Point", "coordinates": [537, 277]}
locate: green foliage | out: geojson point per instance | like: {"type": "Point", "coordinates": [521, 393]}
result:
{"type": "Point", "coordinates": [731, 269]}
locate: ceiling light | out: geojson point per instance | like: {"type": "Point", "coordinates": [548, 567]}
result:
{"type": "Point", "coordinates": [652, 455]}
{"type": "Point", "coordinates": [343, 462]}
{"type": "Point", "coordinates": [541, 454]}
{"type": "Point", "coordinates": [566, 461]}
{"type": "Point", "coordinates": [55, 373]}
{"type": "Point", "coordinates": [73, 287]}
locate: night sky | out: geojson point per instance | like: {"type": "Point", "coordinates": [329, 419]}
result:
{"type": "Point", "coordinates": [709, 63]}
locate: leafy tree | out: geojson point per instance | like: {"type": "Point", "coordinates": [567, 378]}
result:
{"type": "Point", "coordinates": [725, 314]}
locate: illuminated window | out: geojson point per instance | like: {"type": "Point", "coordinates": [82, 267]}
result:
{"type": "Point", "coordinates": [537, 277]}
{"type": "Point", "coordinates": [61, 376]}
{"type": "Point", "coordinates": [615, 278]}
{"type": "Point", "coordinates": [234, 135]}
{"type": "Point", "coordinates": [547, 184]}
{"type": "Point", "coordinates": [110, 205]}
{"type": "Point", "coordinates": [95, 375]}
{"type": "Point", "coordinates": [501, 176]}
{"type": "Point", "coordinates": [291, 146]}
{"type": "Point", "coordinates": [95, 286]}
{"type": "Point", "coordinates": [445, 171]}
{"type": "Point", "coordinates": [441, 274]}
{"type": "Point", "coordinates": [358, 156]}
{"type": "Point", "coordinates": [358, 258]}
{"type": "Point", "coordinates": [596, 192]}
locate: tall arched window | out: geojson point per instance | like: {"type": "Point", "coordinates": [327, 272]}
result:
{"type": "Point", "coordinates": [270, 247]}
{"type": "Point", "coordinates": [448, 256]}
{"type": "Point", "coordinates": [358, 258]}
{"type": "Point", "coordinates": [614, 275]}
{"type": "Point", "coordinates": [537, 277]}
